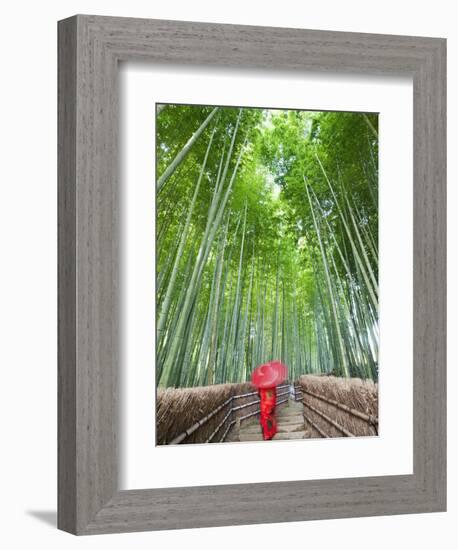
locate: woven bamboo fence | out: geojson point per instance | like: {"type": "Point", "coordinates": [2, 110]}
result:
{"type": "Point", "coordinates": [339, 407]}
{"type": "Point", "coordinates": [206, 414]}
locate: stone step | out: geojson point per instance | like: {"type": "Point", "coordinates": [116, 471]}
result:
{"type": "Point", "coordinates": [251, 430]}
{"type": "Point", "coordinates": [280, 422]}
{"type": "Point", "coordinates": [290, 410]}
{"type": "Point", "coordinates": [289, 435]}
{"type": "Point", "coordinates": [251, 437]}
{"type": "Point", "coordinates": [280, 436]}
{"type": "Point", "coordinates": [281, 428]}
{"type": "Point", "coordinates": [289, 419]}
{"type": "Point", "coordinates": [291, 428]}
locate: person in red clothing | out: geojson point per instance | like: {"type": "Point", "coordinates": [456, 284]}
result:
{"type": "Point", "coordinates": [268, 421]}
{"type": "Point", "coordinates": [266, 378]}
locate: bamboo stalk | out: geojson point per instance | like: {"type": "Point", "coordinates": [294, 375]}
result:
{"type": "Point", "coordinates": [184, 151]}
{"type": "Point", "coordinates": [214, 219]}
{"type": "Point", "coordinates": [330, 289]}
{"type": "Point", "coordinates": [356, 254]}
{"type": "Point", "coordinates": [371, 126]}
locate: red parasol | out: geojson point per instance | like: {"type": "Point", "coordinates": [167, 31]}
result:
{"type": "Point", "coordinates": [269, 375]}
{"type": "Point", "coordinates": [282, 370]}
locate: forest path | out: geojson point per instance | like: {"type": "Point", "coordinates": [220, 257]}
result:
{"type": "Point", "coordinates": [290, 425]}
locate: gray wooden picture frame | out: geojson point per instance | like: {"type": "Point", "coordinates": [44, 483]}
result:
{"type": "Point", "coordinates": [90, 49]}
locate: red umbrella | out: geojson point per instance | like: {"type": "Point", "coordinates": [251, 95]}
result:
{"type": "Point", "coordinates": [282, 370]}
{"type": "Point", "coordinates": [269, 375]}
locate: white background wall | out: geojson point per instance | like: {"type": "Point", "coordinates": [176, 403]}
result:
{"type": "Point", "coordinates": [28, 271]}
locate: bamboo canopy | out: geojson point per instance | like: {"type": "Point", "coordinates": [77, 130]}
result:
{"type": "Point", "coordinates": [266, 244]}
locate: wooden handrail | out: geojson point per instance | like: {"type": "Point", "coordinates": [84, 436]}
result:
{"type": "Point", "coordinates": [246, 405]}
{"type": "Point", "coordinates": [317, 428]}
{"type": "Point", "coordinates": [330, 420]}
{"type": "Point", "coordinates": [216, 430]}
{"type": "Point", "coordinates": [245, 395]}
{"type": "Point", "coordinates": [363, 416]}
{"type": "Point", "coordinates": [181, 437]}
{"type": "Point", "coordinates": [199, 423]}
{"type": "Point", "coordinates": [373, 420]}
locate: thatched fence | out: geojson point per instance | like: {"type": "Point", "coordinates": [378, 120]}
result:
{"type": "Point", "coordinates": [206, 414]}
{"type": "Point", "coordinates": [336, 407]}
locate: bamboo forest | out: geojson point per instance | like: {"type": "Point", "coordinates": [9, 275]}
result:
{"type": "Point", "coordinates": [266, 243]}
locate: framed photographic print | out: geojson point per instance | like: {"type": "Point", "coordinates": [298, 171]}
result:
{"type": "Point", "coordinates": [251, 274]}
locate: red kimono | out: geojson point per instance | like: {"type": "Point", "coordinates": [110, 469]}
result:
{"type": "Point", "coordinates": [268, 422]}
